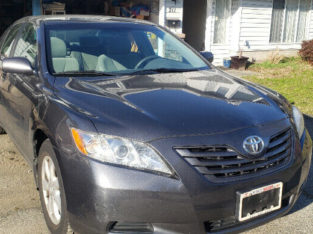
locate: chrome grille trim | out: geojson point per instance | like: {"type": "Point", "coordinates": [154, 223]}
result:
{"type": "Point", "coordinates": [223, 163]}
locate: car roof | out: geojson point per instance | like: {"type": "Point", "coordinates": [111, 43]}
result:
{"type": "Point", "coordinates": [80, 18]}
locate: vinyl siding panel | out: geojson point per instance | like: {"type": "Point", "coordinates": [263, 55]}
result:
{"type": "Point", "coordinates": [255, 24]}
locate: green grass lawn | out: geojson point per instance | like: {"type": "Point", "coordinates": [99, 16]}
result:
{"type": "Point", "coordinates": [291, 77]}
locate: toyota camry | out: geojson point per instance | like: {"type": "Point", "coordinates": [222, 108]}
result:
{"type": "Point", "coordinates": [130, 130]}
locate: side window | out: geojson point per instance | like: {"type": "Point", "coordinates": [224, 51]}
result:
{"type": "Point", "coordinates": [27, 44]}
{"type": "Point", "coordinates": [9, 41]}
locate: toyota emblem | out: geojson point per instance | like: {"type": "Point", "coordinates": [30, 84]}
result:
{"type": "Point", "coordinates": [253, 145]}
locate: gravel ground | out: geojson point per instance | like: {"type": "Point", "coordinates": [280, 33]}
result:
{"type": "Point", "coordinates": [20, 211]}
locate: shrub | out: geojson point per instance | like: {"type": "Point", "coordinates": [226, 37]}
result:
{"type": "Point", "coordinates": [275, 57]}
{"type": "Point", "coordinates": [306, 51]}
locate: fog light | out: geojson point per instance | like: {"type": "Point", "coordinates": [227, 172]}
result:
{"type": "Point", "coordinates": [121, 227]}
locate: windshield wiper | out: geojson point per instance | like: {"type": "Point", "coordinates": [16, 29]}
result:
{"type": "Point", "coordinates": [139, 72]}
{"type": "Point", "coordinates": [161, 70]}
{"type": "Point", "coordinates": [85, 73]}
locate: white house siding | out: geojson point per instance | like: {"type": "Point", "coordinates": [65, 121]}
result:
{"type": "Point", "coordinates": [248, 29]}
{"type": "Point", "coordinates": [221, 51]}
{"type": "Point", "coordinates": [255, 24]}
{"type": "Point", "coordinates": [255, 27]}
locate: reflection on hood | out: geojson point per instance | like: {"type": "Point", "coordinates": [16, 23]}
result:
{"type": "Point", "coordinates": [201, 83]}
{"type": "Point", "coordinates": [169, 104]}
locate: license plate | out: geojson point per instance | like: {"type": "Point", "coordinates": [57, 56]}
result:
{"type": "Point", "coordinates": [259, 201]}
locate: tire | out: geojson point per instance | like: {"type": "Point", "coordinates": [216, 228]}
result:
{"type": "Point", "coordinates": [2, 131]}
{"type": "Point", "coordinates": [52, 183]}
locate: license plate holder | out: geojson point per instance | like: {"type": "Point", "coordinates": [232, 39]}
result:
{"type": "Point", "coordinates": [259, 201]}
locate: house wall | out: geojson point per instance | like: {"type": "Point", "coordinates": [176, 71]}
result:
{"type": "Point", "coordinates": [256, 26]}
{"type": "Point", "coordinates": [249, 30]}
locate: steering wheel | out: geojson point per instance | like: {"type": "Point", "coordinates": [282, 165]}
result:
{"type": "Point", "coordinates": [145, 61]}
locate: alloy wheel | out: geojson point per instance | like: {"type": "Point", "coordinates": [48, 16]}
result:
{"type": "Point", "coordinates": [51, 190]}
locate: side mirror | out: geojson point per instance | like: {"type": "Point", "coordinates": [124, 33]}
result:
{"type": "Point", "coordinates": [207, 55]}
{"type": "Point", "coordinates": [18, 65]}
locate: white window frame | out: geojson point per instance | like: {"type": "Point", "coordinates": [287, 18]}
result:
{"type": "Point", "coordinates": [296, 25]}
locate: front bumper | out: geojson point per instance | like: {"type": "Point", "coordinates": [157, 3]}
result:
{"type": "Point", "coordinates": [99, 194]}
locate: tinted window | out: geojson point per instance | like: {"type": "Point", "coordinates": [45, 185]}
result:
{"type": "Point", "coordinates": [27, 44]}
{"type": "Point", "coordinates": [9, 41]}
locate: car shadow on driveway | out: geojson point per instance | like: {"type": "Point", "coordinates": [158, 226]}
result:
{"type": "Point", "coordinates": [307, 195]}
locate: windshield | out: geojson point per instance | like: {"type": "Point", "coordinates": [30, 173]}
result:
{"type": "Point", "coordinates": [116, 48]}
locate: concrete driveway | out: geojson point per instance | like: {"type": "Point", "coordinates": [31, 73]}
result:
{"type": "Point", "coordinates": [20, 211]}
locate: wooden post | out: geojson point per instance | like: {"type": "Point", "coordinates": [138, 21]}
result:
{"type": "Point", "coordinates": [36, 7]}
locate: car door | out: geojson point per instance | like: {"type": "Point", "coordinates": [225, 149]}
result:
{"type": "Point", "coordinates": [23, 95]}
{"type": "Point", "coordinates": [5, 85]}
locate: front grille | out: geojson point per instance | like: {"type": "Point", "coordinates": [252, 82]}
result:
{"type": "Point", "coordinates": [223, 162]}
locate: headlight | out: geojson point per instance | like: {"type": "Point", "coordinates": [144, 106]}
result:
{"type": "Point", "coordinates": [119, 151]}
{"type": "Point", "coordinates": [299, 121]}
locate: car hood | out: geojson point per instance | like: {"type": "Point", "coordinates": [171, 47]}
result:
{"type": "Point", "coordinates": [148, 107]}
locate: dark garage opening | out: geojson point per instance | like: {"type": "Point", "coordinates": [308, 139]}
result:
{"type": "Point", "coordinates": [194, 22]}
{"type": "Point", "coordinates": [12, 10]}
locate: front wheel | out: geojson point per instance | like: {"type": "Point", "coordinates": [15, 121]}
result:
{"type": "Point", "coordinates": [2, 131]}
{"type": "Point", "coordinates": [51, 190]}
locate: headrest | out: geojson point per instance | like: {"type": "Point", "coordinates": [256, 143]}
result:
{"type": "Point", "coordinates": [58, 48]}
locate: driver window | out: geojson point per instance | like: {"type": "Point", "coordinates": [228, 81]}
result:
{"type": "Point", "coordinates": [27, 44]}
